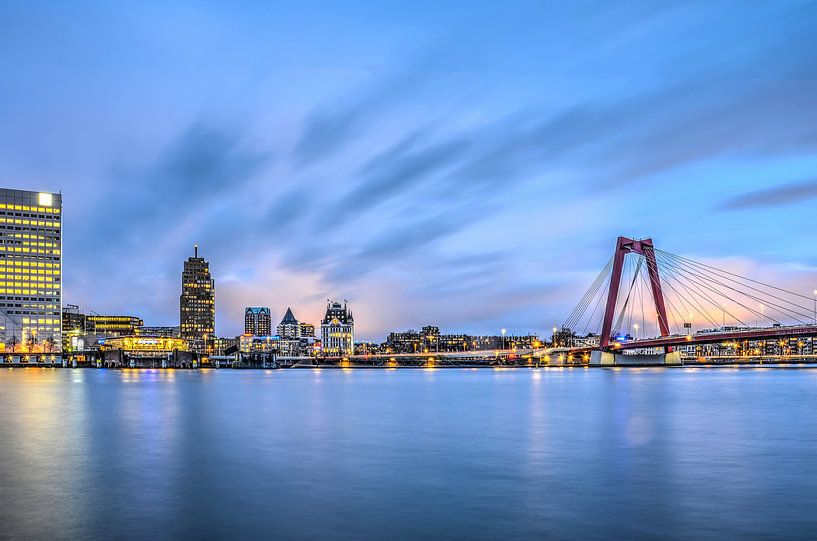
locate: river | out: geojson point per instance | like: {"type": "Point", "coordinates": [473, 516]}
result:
{"type": "Point", "coordinates": [570, 453]}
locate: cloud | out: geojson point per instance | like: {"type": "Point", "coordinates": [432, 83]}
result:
{"type": "Point", "coordinates": [777, 196]}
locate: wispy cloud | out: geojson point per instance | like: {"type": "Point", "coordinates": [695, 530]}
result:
{"type": "Point", "coordinates": [787, 194]}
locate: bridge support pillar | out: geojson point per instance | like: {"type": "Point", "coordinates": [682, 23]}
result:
{"type": "Point", "coordinates": [673, 358]}
{"type": "Point", "coordinates": [602, 358]}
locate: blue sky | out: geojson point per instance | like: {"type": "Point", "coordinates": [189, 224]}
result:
{"type": "Point", "coordinates": [466, 164]}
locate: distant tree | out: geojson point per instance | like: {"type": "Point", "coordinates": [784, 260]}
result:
{"type": "Point", "coordinates": [48, 344]}
{"type": "Point", "coordinates": [13, 343]}
{"type": "Point", "coordinates": [31, 341]}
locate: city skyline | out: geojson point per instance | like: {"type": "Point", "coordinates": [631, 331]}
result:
{"type": "Point", "coordinates": [467, 170]}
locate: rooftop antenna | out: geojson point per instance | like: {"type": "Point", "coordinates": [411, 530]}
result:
{"type": "Point", "coordinates": [195, 250]}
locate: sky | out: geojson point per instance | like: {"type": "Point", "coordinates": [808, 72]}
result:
{"type": "Point", "coordinates": [462, 164]}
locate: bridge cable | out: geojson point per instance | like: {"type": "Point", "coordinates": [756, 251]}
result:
{"type": "Point", "coordinates": [716, 291]}
{"type": "Point", "coordinates": [692, 296]}
{"type": "Point", "coordinates": [668, 301]}
{"type": "Point", "coordinates": [697, 286]}
{"type": "Point", "coordinates": [788, 312]}
{"type": "Point", "coordinates": [788, 302]}
{"type": "Point", "coordinates": [698, 263]}
{"type": "Point", "coordinates": [579, 310]}
{"type": "Point", "coordinates": [617, 326]}
{"type": "Point", "coordinates": [669, 278]}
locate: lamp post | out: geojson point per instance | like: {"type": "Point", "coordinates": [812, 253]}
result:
{"type": "Point", "coordinates": [554, 336]}
{"type": "Point", "coordinates": [636, 330]}
{"type": "Point", "coordinates": [503, 337]}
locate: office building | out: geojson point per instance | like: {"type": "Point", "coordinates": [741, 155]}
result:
{"type": "Point", "coordinates": [163, 331]}
{"type": "Point", "coordinates": [289, 328]}
{"type": "Point", "coordinates": [30, 271]}
{"type": "Point", "coordinates": [197, 304]}
{"type": "Point", "coordinates": [337, 330]}
{"type": "Point", "coordinates": [112, 326]}
{"type": "Point", "coordinates": [257, 321]}
{"type": "Point", "coordinates": [307, 330]}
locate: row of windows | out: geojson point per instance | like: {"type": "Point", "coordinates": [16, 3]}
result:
{"type": "Point", "coordinates": [19, 221]}
{"type": "Point", "coordinates": [4, 291]}
{"type": "Point", "coordinates": [40, 321]}
{"type": "Point", "coordinates": [28, 250]}
{"type": "Point", "coordinates": [10, 273]}
{"type": "Point", "coordinates": [32, 244]}
{"type": "Point", "coordinates": [44, 210]}
{"type": "Point", "coordinates": [20, 263]}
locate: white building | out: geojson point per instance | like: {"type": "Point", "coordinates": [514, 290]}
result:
{"type": "Point", "coordinates": [337, 330]}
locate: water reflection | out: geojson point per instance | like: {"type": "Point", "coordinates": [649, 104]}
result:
{"type": "Point", "coordinates": [673, 453]}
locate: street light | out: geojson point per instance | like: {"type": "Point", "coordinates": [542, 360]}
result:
{"type": "Point", "coordinates": [503, 338]}
{"type": "Point", "coordinates": [635, 326]}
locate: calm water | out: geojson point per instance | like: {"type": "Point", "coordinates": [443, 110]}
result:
{"type": "Point", "coordinates": [491, 454]}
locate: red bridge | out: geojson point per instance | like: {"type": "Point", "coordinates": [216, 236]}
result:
{"type": "Point", "coordinates": [657, 303]}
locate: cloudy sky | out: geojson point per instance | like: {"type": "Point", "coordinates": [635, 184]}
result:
{"type": "Point", "coordinates": [467, 164]}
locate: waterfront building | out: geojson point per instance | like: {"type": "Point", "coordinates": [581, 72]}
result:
{"type": "Point", "coordinates": [111, 326]}
{"type": "Point", "coordinates": [145, 352]}
{"type": "Point", "coordinates": [289, 328]}
{"type": "Point", "coordinates": [225, 346]}
{"type": "Point", "coordinates": [30, 271]}
{"type": "Point", "coordinates": [165, 331]}
{"type": "Point", "coordinates": [403, 342]}
{"type": "Point", "coordinates": [197, 304]}
{"type": "Point", "coordinates": [337, 330]}
{"type": "Point", "coordinates": [430, 338]}
{"type": "Point", "coordinates": [307, 330]}
{"type": "Point", "coordinates": [73, 328]}
{"type": "Point", "coordinates": [250, 343]}
{"type": "Point", "coordinates": [257, 321]}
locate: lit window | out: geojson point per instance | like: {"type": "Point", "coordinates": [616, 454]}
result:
{"type": "Point", "coordinates": [46, 199]}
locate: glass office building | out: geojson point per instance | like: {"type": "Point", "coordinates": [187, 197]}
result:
{"type": "Point", "coordinates": [30, 271]}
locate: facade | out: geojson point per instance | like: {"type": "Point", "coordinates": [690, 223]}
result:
{"type": "Point", "coordinates": [197, 304]}
{"type": "Point", "coordinates": [403, 342]}
{"type": "Point", "coordinates": [307, 330]}
{"type": "Point", "coordinates": [225, 346]}
{"type": "Point", "coordinates": [110, 326]}
{"type": "Point", "coordinates": [430, 340]}
{"type": "Point", "coordinates": [30, 271]}
{"type": "Point", "coordinates": [164, 332]}
{"type": "Point", "coordinates": [337, 330]}
{"type": "Point", "coordinates": [257, 321]}
{"type": "Point", "coordinates": [73, 328]}
{"type": "Point", "coordinates": [143, 343]}
{"type": "Point", "coordinates": [289, 328]}
{"type": "Point", "coordinates": [146, 352]}
{"type": "Point", "coordinates": [84, 332]}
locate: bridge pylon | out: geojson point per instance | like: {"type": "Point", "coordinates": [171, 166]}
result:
{"type": "Point", "coordinates": [646, 248]}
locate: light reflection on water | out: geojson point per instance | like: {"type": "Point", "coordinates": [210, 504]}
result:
{"type": "Point", "coordinates": [561, 453]}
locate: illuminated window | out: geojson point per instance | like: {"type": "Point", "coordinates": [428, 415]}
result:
{"type": "Point", "coordinates": [45, 199]}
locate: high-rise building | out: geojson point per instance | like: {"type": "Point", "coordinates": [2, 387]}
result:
{"type": "Point", "coordinates": [307, 330]}
{"type": "Point", "coordinates": [30, 271]}
{"type": "Point", "coordinates": [257, 321]}
{"type": "Point", "coordinates": [289, 328]}
{"type": "Point", "coordinates": [337, 330]}
{"type": "Point", "coordinates": [197, 304]}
